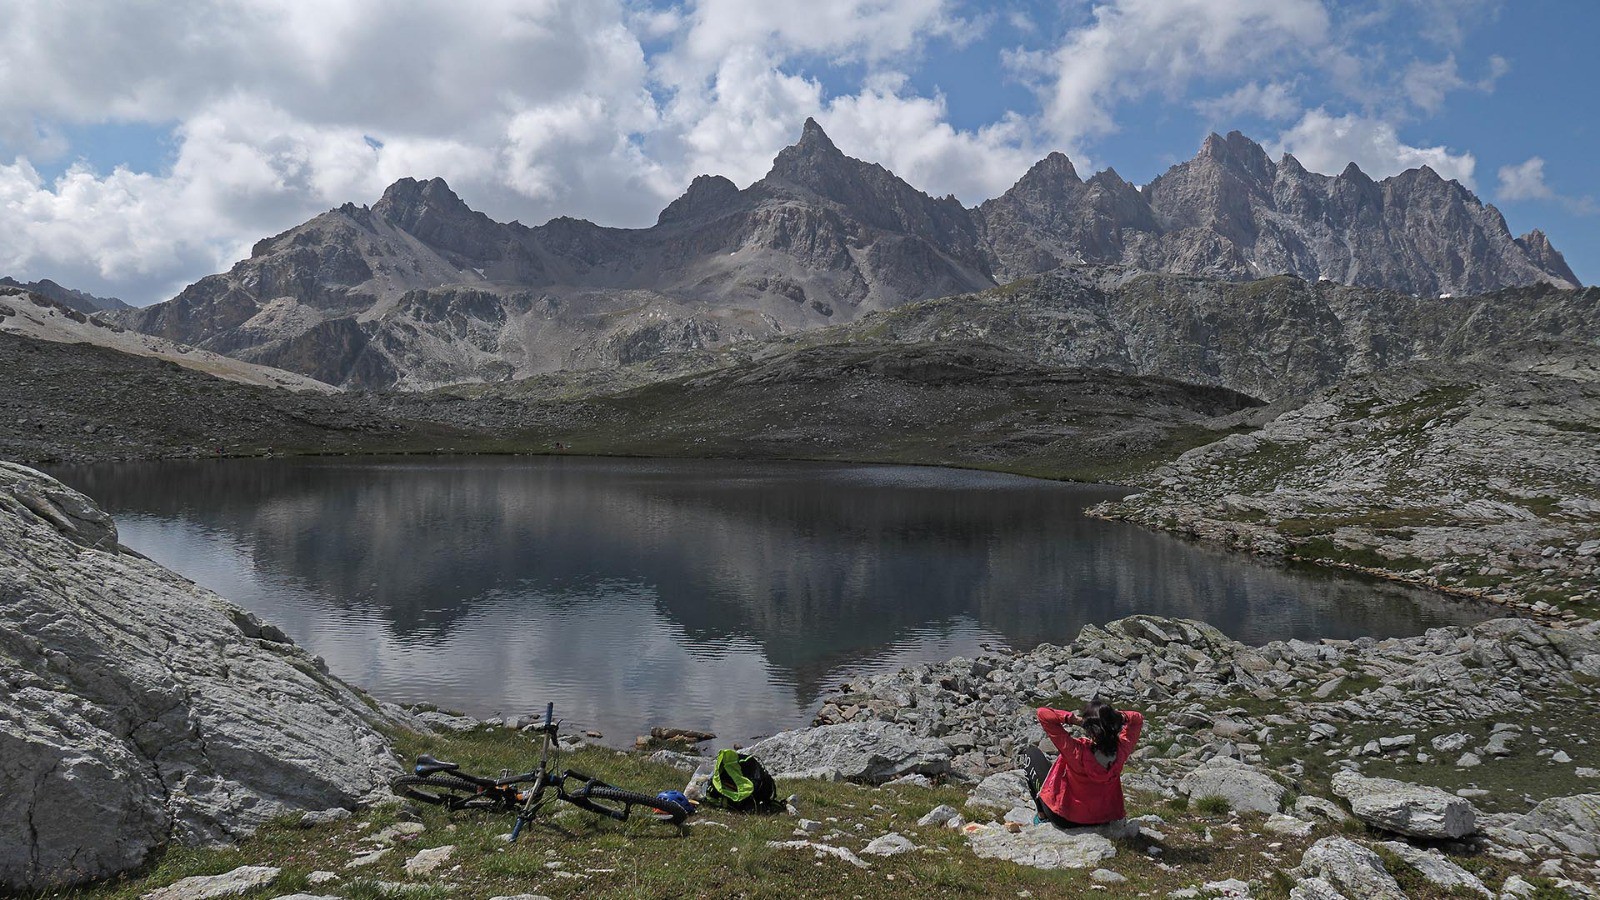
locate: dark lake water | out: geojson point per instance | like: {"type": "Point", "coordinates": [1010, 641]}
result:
{"type": "Point", "coordinates": [717, 595]}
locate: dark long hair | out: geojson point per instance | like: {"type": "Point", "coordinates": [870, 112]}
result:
{"type": "Point", "coordinates": [1103, 723]}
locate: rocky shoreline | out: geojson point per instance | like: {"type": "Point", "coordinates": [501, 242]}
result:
{"type": "Point", "coordinates": [1479, 480]}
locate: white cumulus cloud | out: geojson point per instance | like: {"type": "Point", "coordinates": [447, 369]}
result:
{"type": "Point", "coordinates": [1136, 47]}
{"type": "Point", "coordinates": [1326, 143]}
{"type": "Point", "coordinates": [1524, 181]}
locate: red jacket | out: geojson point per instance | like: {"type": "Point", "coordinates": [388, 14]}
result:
{"type": "Point", "coordinates": [1078, 788]}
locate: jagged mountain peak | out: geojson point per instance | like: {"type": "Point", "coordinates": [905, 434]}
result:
{"type": "Point", "coordinates": [1238, 153]}
{"type": "Point", "coordinates": [707, 195]}
{"type": "Point", "coordinates": [1542, 252]}
{"type": "Point", "coordinates": [1108, 177]}
{"type": "Point", "coordinates": [812, 160]}
{"type": "Point", "coordinates": [812, 137]}
{"type": "Point", "coordinates": [1054, 169]}
{"type": "Point", "coordinates": [407, 196]}
{"type": "Point", "coordinates": [1352, 172]}
{"type": "Point", "coordinates": [1289, 164]}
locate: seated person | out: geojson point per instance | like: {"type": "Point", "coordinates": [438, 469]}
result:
{"type": "Point", "coordinates": [1084, 785]}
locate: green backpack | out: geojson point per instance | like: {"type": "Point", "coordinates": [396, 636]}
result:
{"type": "Point", "coordinates": [738, 781]}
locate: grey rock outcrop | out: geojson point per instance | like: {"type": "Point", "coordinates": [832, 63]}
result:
{"type": "Point", "coordinates": [1409, 809]}
{"type": "Point", "coordinates": [1351, 868]}
{"type": "Point", "coordinates": [1002, 791]}
{"type": "Point", "coordinates": [1246, 788]}
{"type": "Point", "coordinates": [1572, 823]}
{"type": "Point", "coordinates": [1438, 869]}
{"type": "Point", "coordinates": [1274, 338]}
{"type": "Point", "coordinates": [1491, 494]}
{"type": "Point", "coordinates": [139, 708]}
{"type": "Point", "coordinates": [871, 752]}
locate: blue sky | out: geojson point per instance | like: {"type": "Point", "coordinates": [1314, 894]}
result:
{"type": "Point", "coordinates": [146, 144]}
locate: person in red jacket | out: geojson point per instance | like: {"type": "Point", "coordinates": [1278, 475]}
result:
{"type": "Point", "coordinates": [1084, 785]}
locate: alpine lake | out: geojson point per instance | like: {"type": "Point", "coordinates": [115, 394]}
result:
{"type": "Point", "coordinates": [724, 596]}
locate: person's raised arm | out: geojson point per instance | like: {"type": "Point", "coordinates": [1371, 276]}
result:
{"type": "Point", "coordinates": [1055, 722]}
{"type": "Point", "coordinates": [1132, 726]}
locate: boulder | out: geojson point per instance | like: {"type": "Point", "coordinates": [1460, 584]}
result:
{"type": "Point", "coordinates": [1351, 869]}
{"type": "Point", "coordinates": [891, 844]}
{"type": "Point", "coordinates": [1002, 790]}
{"type": "Point", "coordinates": [1043, 846]}
{"type": "Point", "coordinates": [685, 762]}
{"type": "Point", "coordinates": [1246, 788]}
{"type": "Point", "coordinates": [139, 708]}
{"type": "Point", "coordinates": [1410, 809]}
{"type": "Point", "coordinates": [425, 861]}
{"type": "Point", "coordinates": [940, 816]}
{"type": "Point", "coordinates": [1571, 823]}
{"type": "Point", "coordinates": [870, 752]}
{"type": "Point", "coordinates": [1437, 869]}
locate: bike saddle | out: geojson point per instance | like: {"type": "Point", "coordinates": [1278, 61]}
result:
{"type": "Point", "coordinates": [427, 765]}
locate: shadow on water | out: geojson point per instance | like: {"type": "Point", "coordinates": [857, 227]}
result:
{"type": "Point", "coordinates": [708, 594]}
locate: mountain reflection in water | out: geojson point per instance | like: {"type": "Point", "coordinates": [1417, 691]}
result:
{"type": "Point", "coordinates": [706, 594]}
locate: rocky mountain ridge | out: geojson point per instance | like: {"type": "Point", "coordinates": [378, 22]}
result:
{"type": "Point", "coordinates": [74, 300]}
{"type": "Point", "coordinates": [419, 290]}
{"type": "Point", "coordinates": [1272, 338]}
{"type": "Point", "coordinates": [36, 316]}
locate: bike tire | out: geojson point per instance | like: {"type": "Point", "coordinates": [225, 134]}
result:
{"type": "Point", "coordinates": [665, 811]}
{"type": "Point", "coordinates": [443, 790]}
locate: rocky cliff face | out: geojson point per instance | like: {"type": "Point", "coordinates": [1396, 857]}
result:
{"type": "Point", "coordinates": [139, 708]}
{"type": "Point", "coordinates": [420, 290]}
{"type": "Point", "coordinates": [1271, 338]}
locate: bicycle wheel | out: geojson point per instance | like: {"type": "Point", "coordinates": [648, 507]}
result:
{"type": "Point", "coordinates": [616, 801]}
{"type": "Point", "coordinates": [443, 790]}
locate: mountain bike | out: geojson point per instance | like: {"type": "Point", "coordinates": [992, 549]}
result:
{"type": "Point", "coordinates": [444, 784]}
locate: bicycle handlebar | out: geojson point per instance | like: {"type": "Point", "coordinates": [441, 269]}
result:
{"type": "Point", "coordinates": [549, 714]}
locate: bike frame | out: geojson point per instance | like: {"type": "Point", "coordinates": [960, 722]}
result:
{"type": "Point", "coordinates": [503, 791]}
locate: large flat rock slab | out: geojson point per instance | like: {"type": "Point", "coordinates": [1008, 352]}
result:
{"type": "Point", "coordinates": [1044, 846]}
{"type": "Point", "coordinates": [139, 708]}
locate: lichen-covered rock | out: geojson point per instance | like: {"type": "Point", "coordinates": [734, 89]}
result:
{"type": "Point", "coordinates": [137, 708]}
{"type": "Point", "coordinates": [871, 752]}
{"type": "Point", "coordinates": [1410, 809]}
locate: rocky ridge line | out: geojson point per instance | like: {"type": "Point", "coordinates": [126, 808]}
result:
{"type": "Point", "coordinates": [420, 290]}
